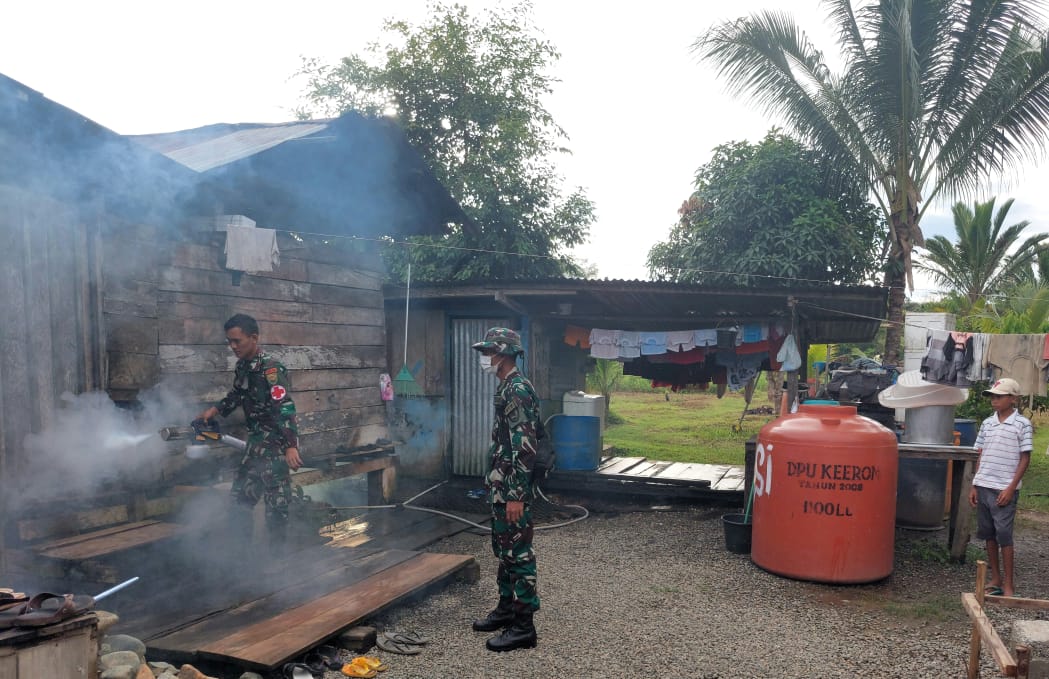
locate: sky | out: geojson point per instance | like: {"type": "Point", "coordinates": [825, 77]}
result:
{"type": "Point", "coordinates": [640, 112]}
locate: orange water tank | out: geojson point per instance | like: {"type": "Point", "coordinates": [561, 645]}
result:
{"type": "Point", "coordinates": [825, 496]}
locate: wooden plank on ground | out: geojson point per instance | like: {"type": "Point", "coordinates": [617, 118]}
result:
{"type": "Point", "coordinates": [221, 615]}
{"type": "Point", "coordinates": [734, 478]}
{"type": "Point", "coordinates": [638, 469]}
{"type": "Point", "coordinates": [84, 537]}
{"type": "Point", "coordinates": [618, 465]}
{"type": "Point", "coordinates": [652, 471]}
{"type": "Point", "coordinates": [117, 542]}
{"type": "Point", "coordinates": [271, 642]}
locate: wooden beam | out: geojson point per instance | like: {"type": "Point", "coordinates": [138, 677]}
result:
{"type": "Point", "coordinates": [509, 303]}
{"type": "Point", "coordinates": [305, 477]}
{"type": "Point", "coordinates": [982, 626]}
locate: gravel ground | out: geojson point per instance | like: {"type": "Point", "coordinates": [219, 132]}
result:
{"type": "Point", "coordinates": [655, 593]}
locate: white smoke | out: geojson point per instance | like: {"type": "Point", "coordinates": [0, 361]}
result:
{"type": "Point", "coordinates": [94, 444]}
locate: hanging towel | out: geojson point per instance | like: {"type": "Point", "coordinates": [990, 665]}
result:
{"type": "Point", "coordinates": [681, 340]}
{"type": "Point", "coordinates": [251, 249]}
{"type": "Point", "coordinates": [604, 343]}
{"type": "Point", "coordinates": [629, 343]}
{"type": "Point", "coordinates": [577, 337]}
{"type": "Point", "coordinates": [1019, 357]}
{"type": "Point", "coordinates": [653, 343]}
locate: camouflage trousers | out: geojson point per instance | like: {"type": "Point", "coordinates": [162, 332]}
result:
{"type": "Point", "coordinates": [264, 474]}
{"type": "Point", "coordinates": [512, 545]}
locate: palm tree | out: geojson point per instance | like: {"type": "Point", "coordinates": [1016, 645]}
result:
{"type": "Point", "coordinates": [933, 96]}
{"type": "Point", "coordinates": [979, 262]}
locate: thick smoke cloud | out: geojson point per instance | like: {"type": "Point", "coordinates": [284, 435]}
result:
{"type": "Point", "coordinates": [95, 445]}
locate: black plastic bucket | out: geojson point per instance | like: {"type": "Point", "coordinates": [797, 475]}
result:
{"type": "Point", "coordinates": [737, 533]}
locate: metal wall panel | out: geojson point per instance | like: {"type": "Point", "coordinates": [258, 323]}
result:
{"type": "Point", "coordinates": [472, 394]}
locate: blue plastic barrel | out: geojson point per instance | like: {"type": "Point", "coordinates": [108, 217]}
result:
{"type": "Point", "coordinates": [967, 430]}
{"type": "Point", "coordinates": [577, 442]}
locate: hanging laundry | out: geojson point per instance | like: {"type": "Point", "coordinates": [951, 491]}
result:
{"type": "Point", "coordinates": [741, 368]}
{"type": "Point", "coordinates": [653, 343]}
{"type": "Point", "coordinates": [1021, 358]}
{"type": "Point", "coordinates": [978, 370]}
{"type": "Point", "coordinates": [604, 343]}
{"type": "Point", "coordinates": [577, 337]}
{"type": "Point", "coordinates": [251, 249]}
{"type": "Point", "coordinates": [934, 366]}
{"type": "Point", "coordinates": [753, 332]}
{"type": "Point", "coordinates": [690, 357]}
{"type": "Point", "coordinates": [705, 338]}
{"type": "Point", "coordinates": [681, 340]}
{"type": "Point", "coordinates": [629, 343]}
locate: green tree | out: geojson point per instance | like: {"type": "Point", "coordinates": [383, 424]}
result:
{"type": "Point", "coordinates": [468, 93]}
{"type": "Point", "coordinates": [979, 262]}
{"type": "Point", "coordinates": [933, 96]}
{"type": "Point", "coordinates": [604, 378]}
{"type": "Point", "coordinates": [765, 214]}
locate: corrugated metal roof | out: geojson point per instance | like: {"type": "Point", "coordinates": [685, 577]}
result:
{"type": "Point", "coordinates": [829, 313]}
{"type": "Point", "coordinates": [201, 151]}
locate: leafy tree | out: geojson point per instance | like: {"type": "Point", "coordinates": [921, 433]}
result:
{"type": "Point", "coordinates": [1024, 310]}
{"type": "Point", "coordinates": [979, 262]}
{"type": "Point", "coordinates": [468, 93]}
{"type": "Point", "coordinates": [767, 210]}
{"type": "Point", "coordinates": [604, 378]}
{"type": "Point", "coordinates": [933, 97]}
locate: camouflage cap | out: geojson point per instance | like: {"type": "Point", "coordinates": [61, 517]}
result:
{"type": "Point", "coordinates": [503, 340]}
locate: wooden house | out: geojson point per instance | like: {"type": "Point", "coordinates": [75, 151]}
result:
{"type": "Point", "coordinates": [115, 280]}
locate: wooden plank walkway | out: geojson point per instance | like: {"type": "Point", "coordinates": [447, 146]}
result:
{"type": "Point", "coordinates": [641, 476]}
{"type": "Point", "coordinates": [261, 619]}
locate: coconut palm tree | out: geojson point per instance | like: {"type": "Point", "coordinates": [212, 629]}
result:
{"type": "Point", "coordinates": [985, 258]}
{"type": "Point", "coordinates": [933, 97]}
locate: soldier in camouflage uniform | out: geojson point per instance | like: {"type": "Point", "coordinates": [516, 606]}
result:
{"type": "Point", "coordinates": [509, 485]}
{"type": "Point", "coordinates": [262, 387]}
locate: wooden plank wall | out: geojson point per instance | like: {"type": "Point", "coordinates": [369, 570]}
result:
{"type": "Point", "coordinates": [44, 311]}
{"type": "Point", "coordinates": [427, 350]}
{"type": "Point", "coordinates": [321, 314]}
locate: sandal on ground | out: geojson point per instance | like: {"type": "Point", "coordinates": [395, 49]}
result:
{"type": "Point", "coordinates": [297, 670]}
{"type": "Point", "coordinates": [371, 662]}
{"type": "Point", "coordinates": [413, 638]}
{"type": "Point", "coordinates": [992, 590]}
{"type": "Point", "coordinates": [390, 646]}
{"type": "Point", "coordinates": [355, 669]}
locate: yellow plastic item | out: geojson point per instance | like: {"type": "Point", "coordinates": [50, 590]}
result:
{"type": "Point", "coordinates": [356, 669]}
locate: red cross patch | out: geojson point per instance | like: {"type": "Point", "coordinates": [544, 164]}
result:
{"type": "Point", "coordinates": [278, 392]}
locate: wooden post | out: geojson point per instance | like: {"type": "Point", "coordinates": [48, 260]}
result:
{"type": "Point", "coordinates": [1023, 661]}
{"type": "Point", "coordinates": [974, 639]}
{"type": "Point", "coordinates": [961, 510]}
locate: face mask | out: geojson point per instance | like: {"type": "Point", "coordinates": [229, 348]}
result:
{"type": "Point", "coordinates": [486, 365]}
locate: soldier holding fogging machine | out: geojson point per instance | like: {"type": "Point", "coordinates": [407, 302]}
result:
{"type": "Point", "coordinates": [262, 387]}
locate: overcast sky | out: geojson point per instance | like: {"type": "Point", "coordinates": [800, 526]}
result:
{"type": "Point", "coordinates": [640, 112]}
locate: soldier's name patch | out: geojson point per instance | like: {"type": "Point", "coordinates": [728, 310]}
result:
{"type": "Point", "coordinates": [278, 392]}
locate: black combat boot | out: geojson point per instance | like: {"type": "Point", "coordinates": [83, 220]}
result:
{"type": "Point", "coordinates": [502, 616]}
{"type": "Point", "coordinates": [521, 634]}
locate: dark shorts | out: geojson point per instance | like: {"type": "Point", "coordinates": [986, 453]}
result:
{"type": "Point", "coordinates": [994, 522]}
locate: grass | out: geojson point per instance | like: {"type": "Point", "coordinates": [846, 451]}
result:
{"type": "Point", "coordinates": [699, 427]}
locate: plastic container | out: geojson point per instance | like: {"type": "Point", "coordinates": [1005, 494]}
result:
{"type": "Point", "coordinates": [825, 496]}
{"type": "Point", "coordinates": [922, 490]}
{"type": "Point", "coordinates": [737, 533]}
{"type": "Point", "coordinates": [577, 442]}
{"type": "Point", "coordinates": [580, 403]}
{"type": "Point", "coordinates": [967, 430]}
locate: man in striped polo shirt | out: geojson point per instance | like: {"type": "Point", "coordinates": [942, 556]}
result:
{"type": "Point", "coordinates": [1004, 445]}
